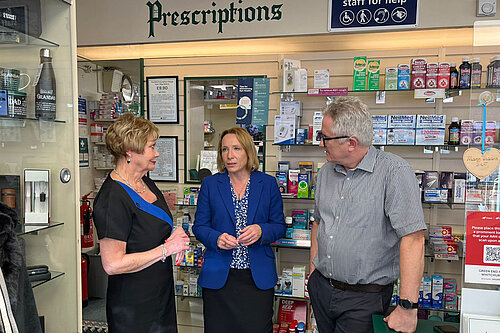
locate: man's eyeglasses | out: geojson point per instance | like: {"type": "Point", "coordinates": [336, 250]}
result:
{"type": "Point", "coordinates": [320, 136]}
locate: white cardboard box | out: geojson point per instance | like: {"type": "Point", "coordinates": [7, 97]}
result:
{"type": "Point", "coordinates": [298, 283]}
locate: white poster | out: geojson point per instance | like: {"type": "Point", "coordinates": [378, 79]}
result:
{"type": "Point", "coordinates": [163, 99]}
{"type": "Point", "coordinates": [166, 167]}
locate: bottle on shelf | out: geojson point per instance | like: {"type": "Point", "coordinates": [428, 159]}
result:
{"type": "Point", "coordinates": [45, 91]}
{"type": "Point", "coordinates": [186, 221]}
{"type": "Point", "coordinates": [390, 136]}
{"type": "Point", "coordinates": [475, 76]}
{"type": "Point", "coordinates": [454, 132]}
{"type": "Point", "coordinates": [453, 76]}
{"type": "Point", "coordinates": [464, 71]}
{"type": "Point", "coordinates": [494, 75]}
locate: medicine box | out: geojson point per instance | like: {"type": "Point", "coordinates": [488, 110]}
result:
{"type": "Point", "coordinates": [282, 179]}
{"type": "Point", "coordinates": [317, 122]}
{"type": "Point", "coordinates": [287, 74]}
{"type": "Point", "coordinates": [391, 78]}
{"type": "Point", "coordinates": [303, 188]}
{"type": "Point", "coordinates": [300, 80]}
{"type": "Point", "coordinates": [359, 73]}
{"type": "Point", "coordinates": [449, 286]}
{"type": "Point", "coordinates": [418, 73]}
{"type": "Point", "coordinates": [444, 75]}
{"type": "Point", "coordinates": [451, 302]}
{"type": "Point", "coordinates": [458, 190]}
{"type": "Point", "coordinates": [379, 121]}
{"type": "Point", "coordinates": [299, 219]}
{"type": "Point", "coordinates": [431, 121]}
{"type": "Point", "coordinates": [440, 232]}
{"type": "Point", "coordinates": [466, 132]}
{"type": "Point", "coordinates": [284, 130]}
{"type": "Point", "coordinates": [301, 136]}
{"type": "Point", "coordinates": [429, 136]}
{"type": "Point", "coordinates": [489, 133]}
{"type": "Point", "coordinates": [432, 195]}
{"type": "Point", "coordinates": [379, 136]}
{"type": "Point", "coordinates": [401, 121]}
{"type": "Point", "coordinates": [293, 181]}
{"type": "Point", "coordinates": [431, 78]}
{"type": "Point", "coordinates": [277, 287]}
{"type": "Point", "coordinates": [291, 108]}
{"type": "Point", "coordinates": [286, 281]}
{"type": "Point", "coordinates": [373, 69]}
{"type": "Point", "coordinates": [401, 136]}
{"type": "Point", "coordinates": [437, 292]}
{"type": "Point", "coordinates": [298, 280]}
{"type": "Point", "coordinates": [427, 292]}
{"type": "Point", "coordinates": [403, 77]}
{"type": "Point", "coordinates": [322, 78]}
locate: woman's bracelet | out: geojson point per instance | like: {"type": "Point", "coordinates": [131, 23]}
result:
{"type": "Point", "coordinates": [163, 253]}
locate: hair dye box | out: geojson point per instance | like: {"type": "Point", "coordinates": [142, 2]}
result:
{"type": "Point", "coordinates": [437, 292]}
{"type": "Point", "coordinates": [373, 69]}
{"type": "Point", "coordinates": [403, 77]}
{"type": "Point", "coordinates": [391, 78]}
{"type": "Point", "coordinates": [359, 74]}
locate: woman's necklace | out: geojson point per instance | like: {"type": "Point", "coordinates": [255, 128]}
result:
{"type": "Point", "coordinates": [133, 187]}
{"type": "Point", "coordinates": [239, 194]}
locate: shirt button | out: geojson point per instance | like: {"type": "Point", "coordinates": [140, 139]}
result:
{"type": "Point", "coordinates": [329, 257]}
{"type": "Point", "coordinates": [331, 237]}
{"type": "Point", "coordinates": [330, 274]}
{"type": "Point", "coordinates": [348, 178]}
{"type": "Point", "coordinates": [337, 217]}
{"type": "Point", "coordinates": [342, 198]}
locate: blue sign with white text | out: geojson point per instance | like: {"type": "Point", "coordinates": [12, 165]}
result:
{"type": "Point", "coordinates": [372, 14]}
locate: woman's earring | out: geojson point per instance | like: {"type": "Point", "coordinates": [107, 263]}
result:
{"type": "Point", "coordinates": [128, 159]}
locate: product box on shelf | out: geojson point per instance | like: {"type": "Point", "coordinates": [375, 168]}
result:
{"type": "Point", "coordinates": [379, 136]}
{"type": "Point", "coordinates": [286, 281]}
{"type": "Point", "coordinates": [444, 75]}
{"type": "Point", "coordinates": [278, 287]}
{"type": "Point", "coordinates": [298, 280]}
{"type": "Point", "coordinates": [401, 121]}
{"type": "Point", "coordinates": [283, 166]}
{"type": "Point", "coordinates": [293, 181]}
{"type": "Point", "coordinates": [429, 136]}
{"type": "Point", "coordinates": [474, 195]}
{"type": "Point", "coordinates": [291, 108]}
{"type": "Point", "coordinates": [303, 187]}
{"type": "Point", "coordinates": [379, 121]}
{"type": "Point", "coordinates": [435, 195]}
{"type": "Point", "coordinates": [401, 136]}
{"type": "Point", "coordinates": [291, 310]}
{"type": "Point", "coordinates": [300, 80]}
{"type": "Point", "coordinates": [322, 78]}
{"type": "Point", "coordinates": [284, 130]}
{"type": "Point", "coordinates": [451, 302]}
{"type": "Point", "coordinates": [458, 187]}
{"type": "Point", "coordinates": [431, 179]}
{"type": "Point", "coordinates": [489, 133]}
{"type": "Point", "coordinates": [391, 78]}
{"type": "Point", "coordinates": [282, 179]}
{"type": "Point", "coordinates": [466, 132]}
{"type": "Point", "coordinates": [373, 71]}
{"type": "Point", "coordinates": [437, 292]}
{"type": "Point", "coordinates": [431, 77]}
{"type": "Point", "coordinates": [301, 234]}
{"type": "Point", "coordinates": [287, 74]}
{"type": "Point", "coordinates": [301, 136]}
{"type": "Point", "coordinates": [317, 122]}
{"type": "Point", "coordinates": [299, 218]}
{"type": "Point", "coordinates": [426, 292]}
{"type": "Point", "coordinates": [449, 286]}
{"type": "Point", "coordinates": [36, 196]}
{"type": "Point", "coordinates": [418, 73]}
{"type": "Point", "coordinates": [431, 121]}
{"type": "Point", "coordinates": [359, 73]}
{"type": "Point", "coordinates": [403, 77]}
{"type": "Point", "coordinates": [440, 232]}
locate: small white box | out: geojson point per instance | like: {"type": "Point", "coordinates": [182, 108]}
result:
{"type": "Point", "coordinates": [431, 121]}
{"type": "Point", "coordinates": [322, 78]}
{"type": "Point", "coordinates": [458, 190]}
{"type": "Point", "coordinates": [36, 197]}
{"type": "Point", "coordinates": [317, 122]}
{"type": "Point", "coordinates": [437, 292]}
{"type": "Point", "coordinates": [401, 121]}
{"type": "Point", "coordinates": [287, 74]}
{"type": "Point", "coordinates": [291, 108]}
{"type": "Point", "coordinates": [429, 136]}
{"type": "Point", "coordinates": [301, 80]}
{"type": "Point", "coordinates": [298, 280]}
{"type": "Point", "coordinates": [284, 130]}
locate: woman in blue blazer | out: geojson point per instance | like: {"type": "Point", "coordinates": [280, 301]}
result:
{"type": "Point", "coordinates": [239, 214]}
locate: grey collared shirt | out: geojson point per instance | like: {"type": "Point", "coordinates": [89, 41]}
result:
{"type": "Point", "coordinates": [362, 215]}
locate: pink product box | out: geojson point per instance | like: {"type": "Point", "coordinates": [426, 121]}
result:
{"type": "Point", "coordinates": [449, 286]}
{"type": "Point", "coordinates": [451, 302]}
{"type": "Point", "coordinates": [444, 75]}
{"type": "Point", "coordinates": [489, 133]}
{"type": "Point", "coordinates": [431, 78]}
{"type": "Point", "coordinates": [444, 246]}
{"type": "Point", "coordinates": [418, 73]}
{"type": "Point", "coordinates": [440, 232]}
{"type": "Point", "coordinates": [466, 132]}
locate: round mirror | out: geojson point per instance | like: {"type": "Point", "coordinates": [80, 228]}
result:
{"type": "Point", "coordinates": [127, 88]}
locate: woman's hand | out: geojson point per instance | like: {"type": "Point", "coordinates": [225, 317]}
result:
{"type": "Point", "coordinates": [227, 242]}
{"type": "Point", "coordinates": [250, 235]}
{"type": "Point", "coordinates": [177, 243]}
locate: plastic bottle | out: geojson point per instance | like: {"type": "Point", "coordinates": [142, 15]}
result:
{"type": "Point", "coordinates": [390, 137]}
{"type": "Point", "coordinates": [464, 74]}
{"type": "Point", "coordinates": [475, 76]}
{"type": "Point", "coordinates": [45, 91]}
{"type": "Point", "coordinates": [186, 221]}
{"type": "Point", "coordinates": [453, 76]}
{"type": "Point", "coordinates": [301, 327]}
{"type": "Point", "coordinates": [454, 132]}
{"type": "Point", "coordinates": [489, 73]}
{"type": "Point", "coordinates": [495, 72]}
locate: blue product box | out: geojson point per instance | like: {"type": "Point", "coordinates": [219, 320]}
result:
{"type": "Point", "coordinates": [401, 136]}
{"type": "Point", "coordinates": [379, 121]}
{"type": "Point", "coordinates": [403, 77]}
{"type": "Point", "coordinates": [401, 121]}
{"type": "Point", "coordinates": [301, 136]}
{"type": "Point", "coordinates": [3, 103]}
{"type": "Point", "coordinates": [431, 121]}
{"type": "Point", "coordinates": [282, 179]}
{"type": "Point", "coordinates": [426, 292]}
{"type": "Point", "coordinates": [437, 292]}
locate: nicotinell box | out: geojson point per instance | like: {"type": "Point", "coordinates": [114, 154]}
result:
{"type": "Point", "coordinates": [431, 121]}
{"type": "Point", "coordinates": [379, 121]}
{"type": "Point", "coordinates": [466, 132]}
{"type": "Point", "coordinates": [431, 77]}
{"type": "Point", "coordinates": [427, 292]}
{"type": "Point", "coordinates": [359, 73]}
{"type": "Point", "coordinates": [403, 77]}
{"type": "Point", "coordinates": [401, 121]}
{"type": "Point", "coordinates": [373, 68]}
{"type": "Point", "coordinates": [418, 73]}
{"type": "Point", "coordinates": [291, 108]}
{"type": "Point", "coordinates": [444, 75]}
{"type": "Point", "coordinates": [379, 136]}
{"type": "Point", "coordinates": [284, 130]}
{"type": "Point", "coordinates": [303, 191]}
{"type": "Point", "coordinates": [429, 136]}
{"type": "Point", "coordinates": [437, 292]}
{"type": "Point", "coordinates": [391, 78]}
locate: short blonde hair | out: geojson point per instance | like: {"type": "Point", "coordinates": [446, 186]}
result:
{"type": "Point", "coordinates": [246, 142]}
{"type": "Point", "coordinates": [129, 133]}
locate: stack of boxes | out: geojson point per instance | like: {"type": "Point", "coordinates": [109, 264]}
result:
{"type": "Point", "coordinates": [295, 182]}
{"type": "Point", "coordinates": [447, 187]}
{"type": "Point", "coordinates": [190, 196]}
{"type": "Point", "coordinates": [110, 107]}
{"type": "Point", "coordinates": [292, 282]}
{"type": "Point", "coordinates": [471, 132]}
{"type": "Point", "coordinates": [186, 283]}
{"type": "Point", "coordinates": [442, 244]}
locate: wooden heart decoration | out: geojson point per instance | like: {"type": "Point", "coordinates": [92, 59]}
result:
{"type": "Point", "coordinates": [481, 165]}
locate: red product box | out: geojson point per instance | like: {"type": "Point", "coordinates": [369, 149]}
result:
{"type": "Point", "coordinates": [444, 75]}
{"type": "Point", "coordinates": [431, 78]}
{"type": "Point", "coordinates": [418, 73]}
{"type": "Point", "coordinates": [291, 310]}
{"type": "Point", "coordinates": [283, 328]}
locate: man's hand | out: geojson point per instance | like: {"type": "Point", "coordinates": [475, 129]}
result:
{"type": "Point", "coordinates": [402, 320]}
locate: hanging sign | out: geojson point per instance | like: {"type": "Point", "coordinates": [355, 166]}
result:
{"type": "Point", "coordinates": [245, 101]}
{"type": "Point", "coordinates": [481, 165]}
{"type": "Point", "coordinates": [372, 14]}
{"type": "Point", "coordinates": [482, 243]}
{"type": "Point", "coordinates": [260, 101]}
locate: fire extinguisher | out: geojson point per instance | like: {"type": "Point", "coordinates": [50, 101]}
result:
{"type": "Point", "coordinates": [86, 225]}
{"type": "Point", "coordinates": [85, 271]}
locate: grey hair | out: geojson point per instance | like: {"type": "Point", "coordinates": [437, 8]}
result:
{"type": "Point", "coordinates": [351, 118]}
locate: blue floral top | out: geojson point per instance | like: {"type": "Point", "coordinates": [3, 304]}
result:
{"type": "Point", "coordinates": [240, 254]}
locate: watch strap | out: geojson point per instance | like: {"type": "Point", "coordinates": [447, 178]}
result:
{"type": "Point", "coordinates": [413, 305]}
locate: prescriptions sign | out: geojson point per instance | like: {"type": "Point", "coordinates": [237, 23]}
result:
{"type": "Point", "coordinates": [482, 244]}
{"type": "Point", "coordinates": [372, 14]}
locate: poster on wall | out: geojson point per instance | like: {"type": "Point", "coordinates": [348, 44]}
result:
{"type": "Point", "coordinates": [83, 148]}
{"type": "Point", "coordinates": [260, 101]}
{"type": "Point", "coordinates": [482, 243]}
{"type": "Point", "coordinates": [245, 101]}
{"type": "Point", "coordinates": [353, 15]}
{"type": "Point", "coordinates": [167, 164]}
{"type": "Point", "coordinates": [163, 99]}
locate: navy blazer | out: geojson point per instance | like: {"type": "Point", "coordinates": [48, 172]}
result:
{"type": "Point", "coordinates": [215, 216]}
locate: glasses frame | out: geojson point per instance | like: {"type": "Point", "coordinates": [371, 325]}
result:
{"type": "Point", "coordinates": [321, 137]}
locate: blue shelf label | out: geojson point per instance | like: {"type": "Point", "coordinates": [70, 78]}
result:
{"type": "Point", "coordinates": [372, 14]}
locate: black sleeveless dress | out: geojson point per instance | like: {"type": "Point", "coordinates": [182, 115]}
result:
{"type": "Point", "coordinates": [142, 301]}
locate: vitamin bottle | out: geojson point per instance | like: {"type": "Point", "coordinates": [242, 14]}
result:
{"type": "Point", "coordinates": [475, 76]}
{"type": "Point", "coordinates": [464, 74]}
{"type": "Point", "coordinates": [453, 76]}
{"type": "Point", "coordinates": [454, 132]}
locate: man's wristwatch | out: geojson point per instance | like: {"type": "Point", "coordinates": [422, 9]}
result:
{"type": "Point", "coordinates": [407, 304]}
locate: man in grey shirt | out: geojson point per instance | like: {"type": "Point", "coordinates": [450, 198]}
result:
{"type": "Point", "coordinates": [368, 230]}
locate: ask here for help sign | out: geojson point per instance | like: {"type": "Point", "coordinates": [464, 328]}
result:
{"type": "Point", "coordinates": [482, 245]}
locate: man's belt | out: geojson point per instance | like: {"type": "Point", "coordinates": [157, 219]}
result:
{"type": "Point", "coordinates": [366, 288]}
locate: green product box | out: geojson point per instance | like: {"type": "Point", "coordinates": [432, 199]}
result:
{"type": "Point", "coordinates": [391, 78]}
{"type": "Point", "coordinates": [359, 74]}
{"type": "Point", "coordinates": [373, 67]}
{"type": "Point", "coordinates": [303, 191]}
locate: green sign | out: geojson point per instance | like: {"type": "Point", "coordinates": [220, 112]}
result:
{"type": "Point", "coordinates": [83, 148]}
{"type": "Point", "coordinates": [260, 101]}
